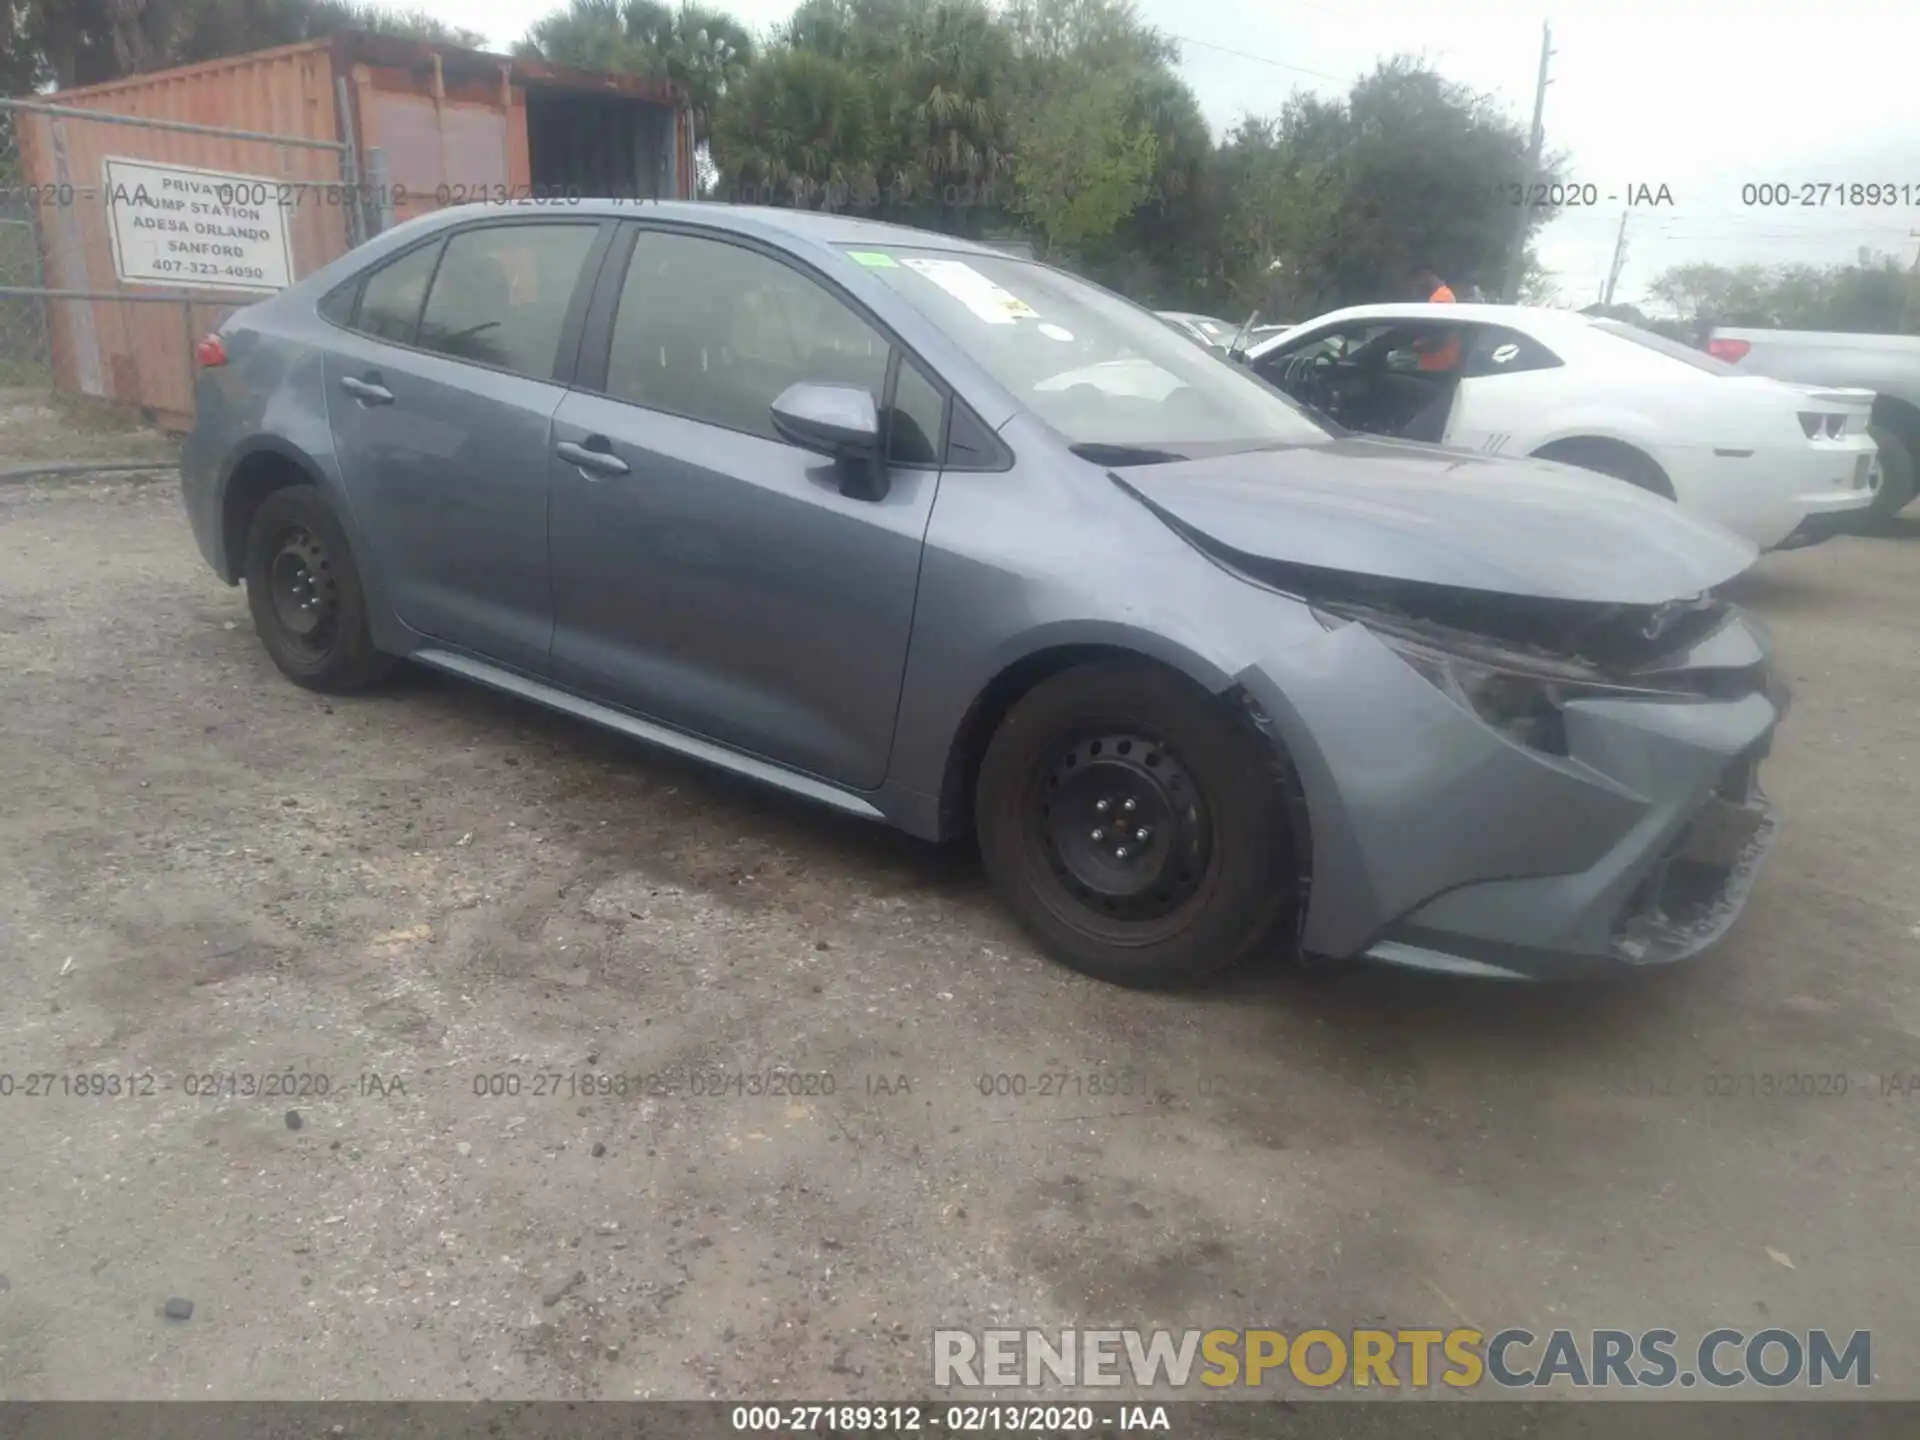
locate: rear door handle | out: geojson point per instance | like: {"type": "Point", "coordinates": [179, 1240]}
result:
{"type": "Point", "coordinates": [591, 456]}
{"type": "Point", "coordinates": [366, 390]}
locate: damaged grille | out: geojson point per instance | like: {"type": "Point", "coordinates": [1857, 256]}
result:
{"type": "Point", "coordinates": [1656, 646]}
{"type": "Point", "coordinates": [1691, 894]}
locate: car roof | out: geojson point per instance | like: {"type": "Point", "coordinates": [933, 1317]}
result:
{"type": "Point", "coordinates": [821, 227]}
{"type": "Point", "coordinates": [1537, 321]}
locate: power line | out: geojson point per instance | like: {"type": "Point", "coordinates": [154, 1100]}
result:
{"type": "Point", "coordinates": [1258, 59]}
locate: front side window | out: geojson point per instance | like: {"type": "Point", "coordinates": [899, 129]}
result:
{"type": "Point", "coordinates": [390, 303]}
{"type": "Point", "coordinates": [1114, 381]}
{"type": "Point", "coordinates": [715, 332]}
{"type": "Point", "coordinates": [501, 294]}
{"type": "Point", "coordinates": [918, 417]}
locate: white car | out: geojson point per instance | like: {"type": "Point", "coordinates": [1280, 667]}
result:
{"type": "Point", "coordinates": [1781, 464]}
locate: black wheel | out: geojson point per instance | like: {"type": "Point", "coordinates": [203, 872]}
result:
{"type": "Point", "coordinates": [1133, 827]}
{"type": "Point", "coordinates": [1896, 463]}
{"type": "Point", "coordinates": [305, 596]}
{"type": "Point", "coordinates": [1614, 460]}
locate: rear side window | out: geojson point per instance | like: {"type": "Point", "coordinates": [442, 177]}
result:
{"type": "Point", "coordinates": [501, 294]}
{"type": "Point", "coordinates": [390, 304]}
{"type": "Point", "coordinates": [337, 304]}
{"type": "Point", "coordinates": [1494, 350]}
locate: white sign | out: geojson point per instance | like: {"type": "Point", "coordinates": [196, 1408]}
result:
{"type": "Point", "coordinates": [198, 229]}
{"type": "Point", "coordinates": [992, 303]}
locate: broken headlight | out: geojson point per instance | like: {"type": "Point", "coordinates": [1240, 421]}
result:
{"type": "Point", "coordinates": [1521, 693]}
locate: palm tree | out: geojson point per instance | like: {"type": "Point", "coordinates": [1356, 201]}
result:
{"type": "Point", "coordinates": [798, 130]}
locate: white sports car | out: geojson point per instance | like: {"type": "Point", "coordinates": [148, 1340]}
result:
{"type": "Point", "coordinates": [1782, 464]}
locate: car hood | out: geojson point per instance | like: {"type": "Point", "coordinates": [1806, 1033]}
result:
{"type": "Point", "coordinates": [1395, 510]}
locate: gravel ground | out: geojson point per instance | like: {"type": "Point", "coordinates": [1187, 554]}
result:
{"type": "Point", "coordinates": [412, 896]}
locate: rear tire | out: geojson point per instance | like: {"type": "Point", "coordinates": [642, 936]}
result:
{"type": "Point", "coordinates": [303, 590]}
{"type": "Point", "coordinates": [1133, 827]}
{"type": "Point", "coordinates": [1896, 476]}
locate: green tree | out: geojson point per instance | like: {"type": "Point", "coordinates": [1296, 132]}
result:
{"type": "Point", "coordinates": [1412, 166]}
{"type": "Point", "coordinates": [86, 42]}
{"type": "Point", "coordinates": [1867, 297]}
{"type": "Point", "coordinates": [1079, 167]}
{"type": "Point", "coordinates": [798, 130]}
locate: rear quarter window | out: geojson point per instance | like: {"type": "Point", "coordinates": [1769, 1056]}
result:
{"type": "Point", "coordinates": [391, 296]}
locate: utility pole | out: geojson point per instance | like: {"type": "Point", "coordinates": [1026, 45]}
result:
{"type": "Point", "coordinates": [1619, 259]}
{"type": "Point", "coordinates": [1516, 258]}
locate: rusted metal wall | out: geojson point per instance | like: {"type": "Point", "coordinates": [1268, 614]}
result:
{"type": "Point", "coordinates": [140, 352]}
{"type": "Point", "coordinates": [450, 123]}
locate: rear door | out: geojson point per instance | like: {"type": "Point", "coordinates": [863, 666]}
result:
{"type": "Point", "coordinates": [707, 573]}
{"type": "Point", "coordinates": [441, 389]}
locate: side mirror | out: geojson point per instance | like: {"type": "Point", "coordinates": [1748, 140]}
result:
{"type": "Point", "coordinates": [836, 420]}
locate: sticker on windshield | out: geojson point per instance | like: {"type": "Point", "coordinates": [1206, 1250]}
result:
{"type": "Point", "coordinates": [877, 259]}
{"type": "Point", "coordinates": [1055, 332]}
{"type": "Point", "coordinates": [993, 304]}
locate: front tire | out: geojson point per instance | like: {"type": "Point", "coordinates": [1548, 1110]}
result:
{"type": "Point", "coordinates": [303, 590]}
{"type": "Point", "coordinates": [1133, 827]}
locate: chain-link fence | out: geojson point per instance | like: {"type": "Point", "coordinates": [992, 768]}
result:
{"type": "Point", "coordinates": [124, 238]}
{"type": "Point", "coordinates": [23, 318]}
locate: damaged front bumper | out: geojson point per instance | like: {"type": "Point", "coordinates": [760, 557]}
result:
{"type": "Point", "coordinates": [1650, 904]}
{"type": "Point", "coordinates": [1441, 844]}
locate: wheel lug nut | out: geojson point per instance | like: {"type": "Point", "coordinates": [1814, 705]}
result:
{"type": "Point", "coordinates": [1121, 853]}
{"type": "Point", "coordinates": [1128, 806]}
{"type": "Point", "coordinates": [1102, 806]}
{"type": "Point", "coordinates": [1099, 835]}
{"type": "Point", "coordinates": [1141, 833]}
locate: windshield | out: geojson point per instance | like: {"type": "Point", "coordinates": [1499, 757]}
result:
{"type": "Point", "coordinates": [1116, 382]}
{"type": "Point", "coordinates": [1672, 349]}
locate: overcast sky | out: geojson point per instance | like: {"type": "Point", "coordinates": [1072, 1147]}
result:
{"type": "Point", "coordinates": [1702, 96]}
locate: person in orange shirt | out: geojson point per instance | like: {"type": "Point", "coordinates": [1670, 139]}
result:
{"type": "Point", "coordinates": [1431, 285]}
{"type": "Point", "coordinates": [1444, 356]}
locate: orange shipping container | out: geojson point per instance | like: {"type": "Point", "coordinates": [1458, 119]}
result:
{"type": "Point", "coordinates": [418, 125]}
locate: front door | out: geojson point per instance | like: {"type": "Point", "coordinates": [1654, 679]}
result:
{"type": "Point", "coordinates": [708, 574]}
{"type": "Point", "coordinates": [441, 395]}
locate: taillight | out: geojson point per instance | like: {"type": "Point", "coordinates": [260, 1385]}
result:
{"type": "Point", "coordinates": [210, 350]}
{"type": "Point", "coordinates": [1731, 351]}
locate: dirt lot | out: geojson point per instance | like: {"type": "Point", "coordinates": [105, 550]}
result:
{"type": "Point", "coordinates": [205, 870]}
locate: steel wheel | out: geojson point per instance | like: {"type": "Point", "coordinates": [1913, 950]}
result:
{"type": "Point", "coordinates": [1123, 826]}
{"type": "Point", "coordinates": [304, 593]}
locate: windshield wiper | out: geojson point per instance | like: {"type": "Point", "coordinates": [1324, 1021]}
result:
{"type": "Point", "coordinates": [1124, 454]}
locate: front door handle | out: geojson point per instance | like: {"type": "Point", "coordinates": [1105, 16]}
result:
{"type": "Point", "coordinates": [367, 391]}
{"type": "Point", "coordinates": [592, 456]}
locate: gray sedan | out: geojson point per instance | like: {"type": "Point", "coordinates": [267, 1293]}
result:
{"type": "Point", "coordinates": [949, 539]}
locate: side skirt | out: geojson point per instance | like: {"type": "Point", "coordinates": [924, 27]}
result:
{"type": "Point", "coordinates": [718, 756]}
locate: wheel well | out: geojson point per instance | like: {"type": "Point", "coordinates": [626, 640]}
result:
{"type": "Point", "coordinates": [1007, 689]}
{"type": "Point", "coordinates": [253, 479]}
{"type": "Point", "coordinates": [1592, 451]}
